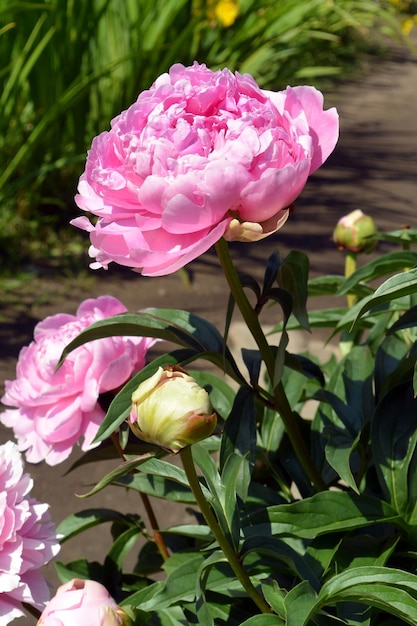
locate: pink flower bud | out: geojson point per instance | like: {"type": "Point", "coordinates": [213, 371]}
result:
{"type": "Point", "coordinates": [171, 410]}
{"type": "Point", "coordinates": [355, 232]}
{"type": "Point", "coordinates": [83, 602]}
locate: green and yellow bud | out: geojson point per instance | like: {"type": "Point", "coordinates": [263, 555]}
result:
{"type": "Point", "coordinates": [171, 410]}
{"type": "Point", "coordinates": [355, 232]}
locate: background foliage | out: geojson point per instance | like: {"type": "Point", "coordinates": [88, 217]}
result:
{"type": "Point", "coordinates": [69, 66]}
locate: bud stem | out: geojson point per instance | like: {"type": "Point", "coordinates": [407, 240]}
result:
{"type": "Point", "coordinates": [281, 401]}
{"type": "Point", "coordinates": [231, 556]}
{"type": "Point", "coordinates": [350, 267]}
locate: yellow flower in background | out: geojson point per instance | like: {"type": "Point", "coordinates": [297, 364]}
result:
{"type": "Point", "coordinates": [408, 24]}
{"type": "Point", "coordinates": [224, 11]}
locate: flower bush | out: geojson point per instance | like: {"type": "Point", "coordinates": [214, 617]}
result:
{"type": "Point", "coordinates": [299, 519]}
{"type": "Point", "coordinates": [198, 156]}
{"type": "Point", "coordinates": [27, 539]}
{"type": "Point", "coordinates": [55, 409]}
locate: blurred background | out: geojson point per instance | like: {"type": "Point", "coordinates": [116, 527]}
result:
{"type": "Point", "coordinates": [67, 67]}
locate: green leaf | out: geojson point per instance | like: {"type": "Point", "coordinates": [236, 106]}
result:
{"type": "Point", "coordinates": [293, 277]}
{"type": "Point", "coordinates": [79, 568]}
{"type": "Point", "coordinates": [123, 469]}
{"type": "Point", "coordinates": [279, 550]}
{"type": "Point", "coordinates": [387, 589]}
{"type": "Point", "coordinates": [239, 435]}
{"type": "Point", "coordinates": [390, 354]}
{"type": "Point", "coordinates": [156, 486]}
{"type": "Point", "coordinates": [397, 286]}
{"type": "Point", "coordinates": [228, 516]}
{"type": "Point", "coordinates": [120, 548]}
{"type": "Point", "coordinates": [263, 620]}
{"type": "Point", "coordinates": [180, 327]}
{"type": "Point", "coordinates": [274, 596]}
{"type": "Point", "coordinates": [299, 604]}
{"type": "Point", "coordinates": [323, 513]}
{"type": "Point", "coordinates": [83, 520]}
{"type": "Point", "coordinates": [394, 446]}
{"type": "Point", "coordinates": [386, 264]}
{"type": "Point", "coordinates": [407, 320]}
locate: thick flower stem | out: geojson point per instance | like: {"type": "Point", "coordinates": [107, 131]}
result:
{"type": "Point", "coordinates": [281, 401]}
{"type": "Point", "coordinates": [231, 556]}
{"type": "Point", "coordinates": [156, 535]}
{"type": "Point", "coordinates": [350, 267]}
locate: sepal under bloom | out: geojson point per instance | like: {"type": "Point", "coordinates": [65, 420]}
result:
{"type": "Point", "coordinates": [57, 408]}
{"type": "Point", "coordinates": [83, 602]}
{"type": "Point", "coordinates": [200, 155]}
{"type": "Point", "coordinates": [355, 232]}
{"type": "Point", "coordinates": [171, 410]}
{"type": "Point", "coordinates": [27, 539]}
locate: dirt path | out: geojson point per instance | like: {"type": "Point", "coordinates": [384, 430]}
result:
{"type": "Point", "coordinates": [373, 168]}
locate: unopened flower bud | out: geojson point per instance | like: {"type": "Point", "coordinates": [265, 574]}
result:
{"type": "Point", "coordinates": [171, 410]}
{"type": "Point", "coordinates": [355, 232]}
{"type": "Point", "coordinates": [83, 602]}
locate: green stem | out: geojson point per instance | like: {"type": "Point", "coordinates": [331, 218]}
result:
{"type": "Point", "coordinates": [351, 262]}
{"type": "Point", "coordinates": [280, 398]}
{"type": "Point", "coordinates": [231, 556]}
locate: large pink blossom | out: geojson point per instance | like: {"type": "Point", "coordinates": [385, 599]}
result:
{"type": "Point", "coordinates": [198, 156]}
{"type": "Point", "coordinates": [55, 409]}
{"type": "Point", "coordinates": [27, 539]}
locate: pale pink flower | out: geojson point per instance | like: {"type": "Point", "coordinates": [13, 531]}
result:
{"type": "Point", "coordinates": [198, 156]}
{"type": "Point", "coordinates": [27, 539]}
{"type": "Point", "coordinates": [55, 409]}
{"type": "Point", "coordinates": [81, 602]}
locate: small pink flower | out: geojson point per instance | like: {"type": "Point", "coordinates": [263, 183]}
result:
{"type": "Point", "coordinates": [27, 539]}
{"type": "Point", "coordinates": [56, 408]}
{"type": "Point", "coordinates": [81, 602]}
{"type": "Point", "coordinates": [198, 156]}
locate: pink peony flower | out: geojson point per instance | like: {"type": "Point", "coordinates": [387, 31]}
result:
{"type": "Point", "coordinates": [83, 602]}
{"type": "Point", "coordinates": [56, 408]}
{"type": "Point", "coordinates": [198, 156]}
{"type": "Point", "coordinates": [27, 539]}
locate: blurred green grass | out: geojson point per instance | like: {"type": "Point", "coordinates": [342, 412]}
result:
{"type": "Point", "coordinates": [68, 66]}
